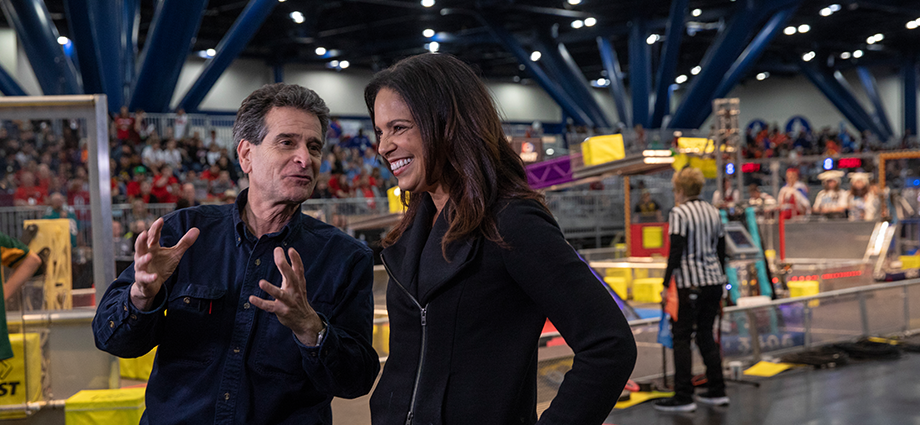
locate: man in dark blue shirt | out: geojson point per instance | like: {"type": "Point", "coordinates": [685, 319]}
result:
{"type": "Point", "coordinates": [248, 331]}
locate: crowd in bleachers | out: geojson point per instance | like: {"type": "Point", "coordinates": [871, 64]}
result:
{"type": "Point", "coordinates": [771, 142]}
{"type": "Point", "coordinates": [177, 167]}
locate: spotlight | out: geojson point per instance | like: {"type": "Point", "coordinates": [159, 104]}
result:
{"type": "Point", "coordinates": [808, 56]}
{"type": "Point", "coordinates": [681, 79]}
{"type": "Point", "coordinates": [344, 64]}
{"type": "Point", "coordinates": [535, 56]}
{"type": "Point", "coordinates": [762, 76]}
{"type": "Point", "coordinates": [789, 30]}
{"type": "Point", "coordinates": [912, 25]}
{"type": "Point", "coordinates": [697, 12]}
{"type": "Point", "coordinates": [63, 40]}
{"type": "Point", "coordinates": [434, 46]}
{"type": "Point", "coordinates": [574, 2]}
{"type": "Point", "coordinates": [804, 28]}
{"type": "Point", "coordinates": [589, 22]}
{"type": "Point", "coordinates": [297, 17]}
{"type": "Point", "coordinates": [834, 7]}
{"type": "Point", "coordinates": [696, 70]}
{"type": "Point", "coordinates": [858, 54]}
{"type": "Point", "coordinates": [845, 55]}
{"type": "Point", "coordinates": [211, 52]}
{"type": "Point", "coordinates": [427, 3]}
{"type": "Point", "coordinates": [428, 33]}
{"type": "Point", "coordinates": [652, 39]}
{"type": "Point", "coordinates": [826, 12]}
{"type": "Point", "coordinates": [578, 23]}
{"type": "Point", "coordinates": [320, 51]}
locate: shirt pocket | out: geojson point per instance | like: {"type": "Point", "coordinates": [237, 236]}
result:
{"type": "Point", "coordinates": [193, 321]}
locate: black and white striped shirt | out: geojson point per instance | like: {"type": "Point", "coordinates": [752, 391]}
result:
{"type": "Point", "coordinates": [697, 232]}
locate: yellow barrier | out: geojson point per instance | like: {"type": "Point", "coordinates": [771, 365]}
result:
{"type": "Point", "coordinates": [105, 407]}
{"type": "Point", "coordinates": [648, 290]}
{"type": "Point", "coordinates": [54, 234]}
{"type": "Point", "coordinates": [381, 340]}
{"type": "Point", "coordinates": [394, 200]}
{"type": "Point", "coordinates": [21, 376]}
{"type": "Point", "coordinates": [139, 368]}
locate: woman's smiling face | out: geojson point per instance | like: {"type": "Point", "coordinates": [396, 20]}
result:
{"type": "Point", "coordinates": [400, 141]}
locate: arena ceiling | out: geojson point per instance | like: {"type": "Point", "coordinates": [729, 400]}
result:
{"type": "Point", "coordinates": [372, 34]}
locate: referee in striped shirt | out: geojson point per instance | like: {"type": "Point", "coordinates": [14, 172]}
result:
{"type": "Point", "coordinates": [696, 262]}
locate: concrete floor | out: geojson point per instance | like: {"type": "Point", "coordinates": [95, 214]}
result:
{"type": "Point", "coordinates": [864, 393]}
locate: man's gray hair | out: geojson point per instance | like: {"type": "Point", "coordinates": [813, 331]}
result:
{"type": "Point", "coordinates": [250, 119]}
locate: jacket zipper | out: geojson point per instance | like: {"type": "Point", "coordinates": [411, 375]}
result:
{"type": "Point", "coordinates": [421, 359]}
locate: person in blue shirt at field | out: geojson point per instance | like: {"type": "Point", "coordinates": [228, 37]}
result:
{"type": "Point", "coordinates": [261, 314]}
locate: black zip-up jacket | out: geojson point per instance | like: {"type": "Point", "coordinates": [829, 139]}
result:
{"type": "Point", "coordinates": [464, 333]}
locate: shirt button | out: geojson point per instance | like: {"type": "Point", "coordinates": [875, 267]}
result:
{"type": "Point", "coordinates": [126, 307]}
{"type": "Point", "coordinates": [246, 306]}
{"type": "Point", "coordinates": [133, 317]}
{"type": "Point", "coordinates": [236, 350]}
{"type": "Point", "coordinates": [186, 300]}
{"type": "Point", "coordinates": [111, 324]}
{"type": "Point", "coordinates": [226, 396]}
{"type": "Point", "coordinates": [313, 354]}
{"type": "Point", "coordinates": [258, 261]}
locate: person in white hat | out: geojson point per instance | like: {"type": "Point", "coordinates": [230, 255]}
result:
{"type": "Point", "coordinates": [862, 205]}
{"type": "Point", "coordinates": [832, 201]}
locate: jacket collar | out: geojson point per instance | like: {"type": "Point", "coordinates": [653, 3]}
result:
{"type": "Point", "coordinates": [404, 257]}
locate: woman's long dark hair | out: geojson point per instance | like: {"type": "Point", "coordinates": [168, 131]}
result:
{"type": "Point", "coordinates": [465, 147]}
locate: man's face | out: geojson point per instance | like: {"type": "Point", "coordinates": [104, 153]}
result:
{"type": "Point", "coordinates": [284, 167]}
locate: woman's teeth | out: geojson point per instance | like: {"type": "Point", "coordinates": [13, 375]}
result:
{"type": "Point", "coordinates": [400, 163]}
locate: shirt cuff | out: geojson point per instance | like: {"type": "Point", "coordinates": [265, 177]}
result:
{"type": "Point", "coordinates": [313, 351]}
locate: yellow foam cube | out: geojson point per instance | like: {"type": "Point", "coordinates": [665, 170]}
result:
{"type": "Point", "coordinates": [138, 369]}
{"type": "Point", "coordinates": [603, 149]}
{"type": "Point", "coordinates": [910, 262]}
{"type": "Point", "coordinates": [621, 273]}
{"type": "Point", "coordinates": [21, 375]}
{"type": "Point", "coordinates": [804, 288]}
{"type": "Point", "coordinates": [619, 285]}
{"type": "Point", "coordinates": [94, 407]}
{"type": "Point", "coordinates": [648, 290]}
{"type": "Point", "coordinates": [652, 237]}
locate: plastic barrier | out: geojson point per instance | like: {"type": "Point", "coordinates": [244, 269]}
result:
{"type": "Point", "coordinates": [109, 407]}
{"type": "Point", "coordinates": [21, 376]}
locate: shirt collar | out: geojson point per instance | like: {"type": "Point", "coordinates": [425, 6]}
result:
{"type": "Point", "coordinates": [242, 232]}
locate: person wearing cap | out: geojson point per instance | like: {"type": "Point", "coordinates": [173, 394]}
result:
{"type": "Point", "coordinates": [793, 197]}
{"type": "Point", "coordinates": [862, 203]}
{"type": "Point", "coordinates": [831, 202]}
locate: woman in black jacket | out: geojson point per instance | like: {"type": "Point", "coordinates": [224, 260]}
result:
{"type": "Point", "coordinates": [477, 265]}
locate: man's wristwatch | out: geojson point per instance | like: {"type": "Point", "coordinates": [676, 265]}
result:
{"type": "Point", "coordinates": [321, 334]}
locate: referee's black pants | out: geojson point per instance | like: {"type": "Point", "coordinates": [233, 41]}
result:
{"type": "Point", "coordinates": [697, 310]}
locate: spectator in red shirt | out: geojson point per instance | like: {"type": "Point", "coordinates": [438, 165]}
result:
{"type": "Point", "coordinates": [146, 195]}
{"type": "Point", "coordinates": [28, 192]}
{"type": "Point", "coordinates": [165, 185]}
{"type": "Point", "coordinates": [133, 189]}
{"type": "Point", "coordinates": [124, 125]}
{"type": "Point", "coordinates": [211, 174]}
{"type": "Point", "coordinates": [338, 184]}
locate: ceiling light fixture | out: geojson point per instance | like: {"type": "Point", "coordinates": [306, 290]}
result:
{"type": "Point", "coordinates": [344, 64]}
{"type": "Point", "coordinates": [428, 33]}
{"type": "Point", "coordinates": [652, 39]}
{"type": "Point", "coordinates": [696, 70]}
{"type": "Point", "coordinates": [845, 55]}
{"type": "Point", "coordinates": [858, 54]}
{"type": "Point", "coordinates": [211, 52]}
{"type": "Point", "coordinates": [808, 56]}
{"type": "Point", "coordinates": [535, 56]}
{"type": "Point", "coordinates": [763, 76]}
{"type": "Point", "coordinates": [697, 12]}
{"type": "Point", "coordinates": [574, 2]}
{"type": "Point", "coordinates": [590, 21]}
{"type": "Point", "coordinates": [681, 79]}
{"type": "Point", "coordinates": [912, 25]}
{"type": "Point", "coordinates": [297, 17]}
{"type": "Point", "coordinates": [834, 7]}
{"type": "Point", "coordinates": [804, 28]}
{"type": "Point", "coordinates": [789, 30]}
{"type": "Point", "coordinates": [826, 12]}
{"type": "Point", "coordinates": [578, 23]}
{"type": "Point", "coordinates": [434, 46]}
{"type": "Point", "coordinates": [63, 40]}
{"type": "Point", "coordinates": [320, 51]}
{"type": "Point", "coordinates": [427, 3]}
